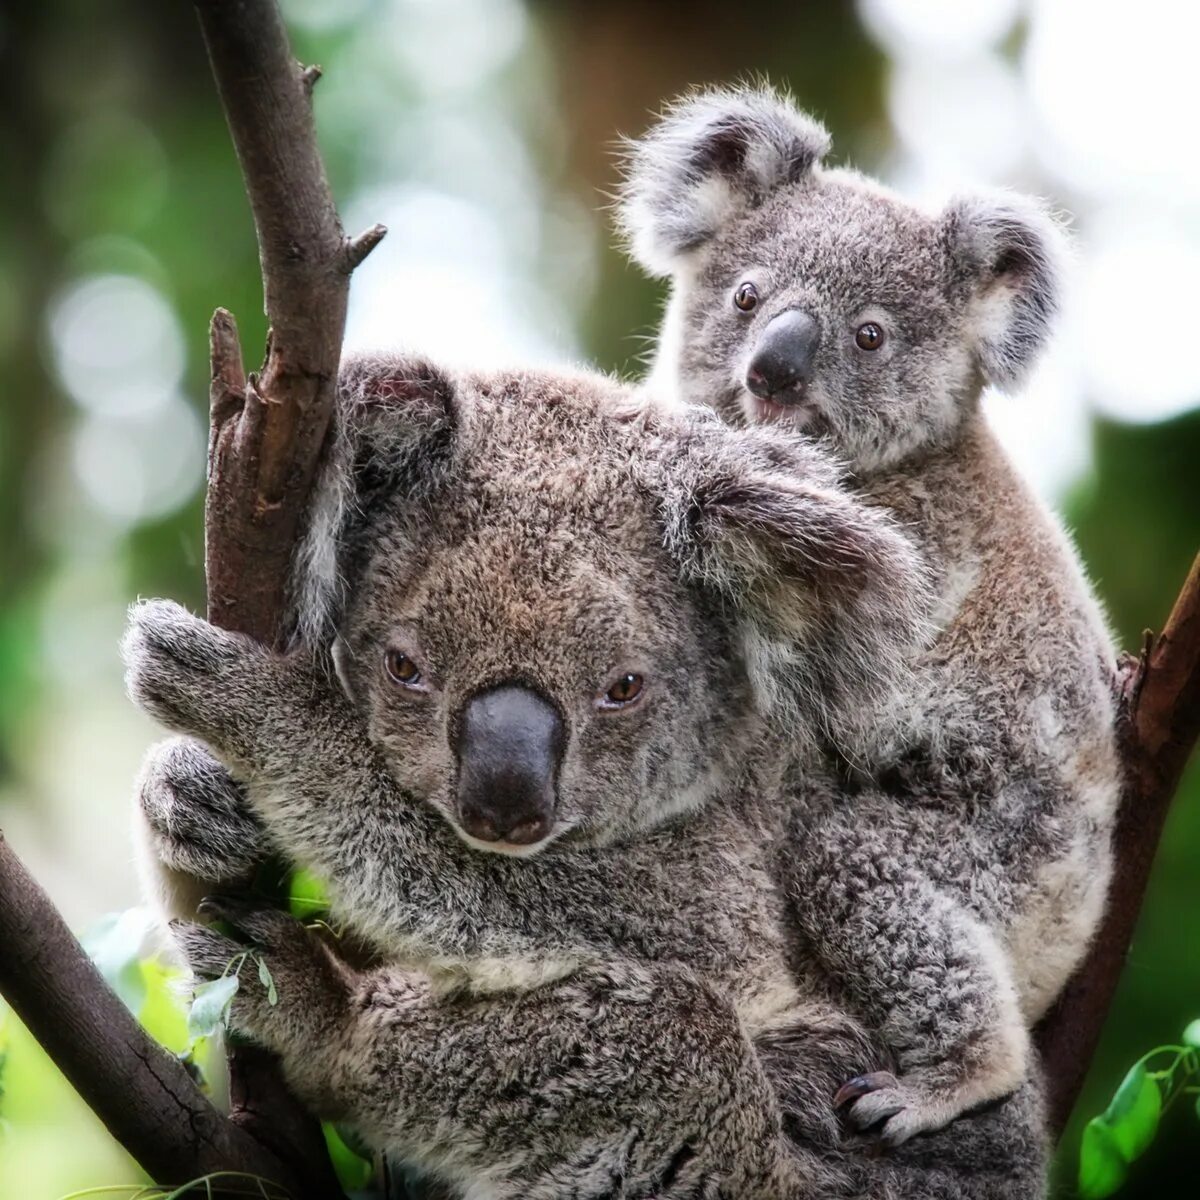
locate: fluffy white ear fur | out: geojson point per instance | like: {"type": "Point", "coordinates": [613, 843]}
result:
{"type": "Point", "coordinates": [711, 154]}
{"type": "Point", "coordinates": [1018, 252]}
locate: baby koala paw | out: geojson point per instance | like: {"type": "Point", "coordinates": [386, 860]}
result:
{"type": "Point", "coordinates": [921, 1101]}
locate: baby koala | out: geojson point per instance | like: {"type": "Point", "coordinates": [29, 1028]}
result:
{"type": "Point", "coordinates": [541, 785]}
{"type": "Point", "coordinates": [955, 893]}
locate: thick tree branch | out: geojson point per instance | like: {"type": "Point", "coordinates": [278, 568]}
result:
{"type": "Point", "coordinates": [267, 430]}
{"type": "Point", "coordinates": [1159, 722]}
{"type": "Point", "coordinates": [142, 1093]}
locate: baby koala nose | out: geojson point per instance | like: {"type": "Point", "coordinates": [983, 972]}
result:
{"type": "Point", "coordinates": [783, 360]}
{"type": "Point", "coordinates": [509, 745]}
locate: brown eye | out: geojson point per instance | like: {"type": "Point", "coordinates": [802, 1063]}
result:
{"type": "Point", "coordinates": [746, 297]}
{"type": "Point", "coordinates": [869, 336]}
{"type": "Point", "coordinates": [402, 669]}
{"type": "Point", "coordinates": [625, 691]}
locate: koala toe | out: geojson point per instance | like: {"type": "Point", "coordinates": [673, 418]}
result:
{"type": "Point", "coordinates": [266, 927]}
{"type": "Point", "coordinates": [208, 953]}
{"type": "Point", "coordinates": [863, 1085]}
{"type": "Point", "coordinates": [878, 1105]}
{"type": "Point", "coordinates": [197, 814]}
{"type": "Point", "coordinates": [162, 628]}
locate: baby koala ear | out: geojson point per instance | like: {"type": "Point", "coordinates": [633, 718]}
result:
{"type": "Point", "coordinates": [1017, 253]}
{"type": "Point", "coordinates": [831, 596]}
{"type": "Point", "coordinates": [394, 427]}
{"type": "Point", "coordinates": [712, 154]}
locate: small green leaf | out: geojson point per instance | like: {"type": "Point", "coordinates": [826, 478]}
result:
{"type": "Point", "coordinates": [1102, 1167]}
{"type": "Point", "coordinates": [1133, 1115]}
{"type": "Point", "coordinates": [353, 1171]}
{"type": "Point", "coordinates": [210, 1007]}
{"type": "Point", "coordinates": [114, 944]}
{"type": "Point", "coordinates": [267, 980]}
{"type": "Point", "coordinates": [1191, 1035]}
{"type": "Point", "coordinates": [307, 895]}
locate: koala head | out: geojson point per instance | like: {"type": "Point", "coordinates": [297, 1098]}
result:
{"type": "Point", "coordinates": [817, 297]}
{"type": "Point", "coordinates": [565, 619]}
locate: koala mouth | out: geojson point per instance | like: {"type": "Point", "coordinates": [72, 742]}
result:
{"type": "Point", "coordinates": [793, 405]}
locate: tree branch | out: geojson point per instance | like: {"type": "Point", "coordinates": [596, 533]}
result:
{"type": "Point", "coordinates": [267, 430]}
{"type": "Point", "coordinates": [142, 1093]}
{"type": "Point", "coordinates": [1158, 724]}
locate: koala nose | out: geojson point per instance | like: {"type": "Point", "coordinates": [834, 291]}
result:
{"type": "Point", "coordinates": [509, 745]}
{"type": "Point", "coordinates": [783, 360]}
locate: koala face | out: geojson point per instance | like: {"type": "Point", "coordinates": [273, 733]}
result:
{"type": "Point", "coordinates": [819, 298]}
{"type": "Point", "coordinates": [556, 617]}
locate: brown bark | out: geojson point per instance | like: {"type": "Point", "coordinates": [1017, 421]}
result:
{"type": "Point", "coordinates": [267, 429]}
{"type": "Point", "coordinates": [142, 1093]}
{"type": "Point", "coordinates": [1158, 722]}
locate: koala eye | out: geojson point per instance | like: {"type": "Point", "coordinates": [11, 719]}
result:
{"type": "Point", "coordinates": [624, 692]}
{"type": "Point", "coordinates": [401, 669]}
{"type": "Point", "coordinates": [746, 297]}
{"type": "Point", "coordinates": [869, 336]}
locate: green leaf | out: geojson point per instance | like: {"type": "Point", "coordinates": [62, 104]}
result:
{"type": "Point", "coordinates": [1102, 1167]}
{"type": "Point", "coordinates": [307, 895]}
{"type": "Point", "coordinates": [114, 944]}
{"type": "Point", "coordinates": [1133, 1115]}
{"type": "Point", "coordinates": [353, 1171]}
{"type": "Point", "coordinates": [210, 1006]}
{"type": "Point", "coordinates": [1191, 1035]}
{"type": "Point", "coordinates": [267, 980]}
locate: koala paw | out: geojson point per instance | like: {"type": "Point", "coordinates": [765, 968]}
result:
{"type": "Point", "coordinates": [898, 1109]}
{"type": "Point", "coordinates": [197, 815]}
{"type": "Point", "coordinates": [296, 1000]}
{"type": "Point", "coordinates": [182, 670]}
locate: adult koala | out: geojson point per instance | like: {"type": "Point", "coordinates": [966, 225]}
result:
{"type": "Point", "coordinates": [955, 895]}
{"type": "Point", "coordinates": [543, 788]}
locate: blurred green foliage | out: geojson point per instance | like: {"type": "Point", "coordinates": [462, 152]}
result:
{"type": "Point", "coordinates": [117, 164]}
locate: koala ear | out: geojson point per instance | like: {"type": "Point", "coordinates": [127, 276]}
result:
{"type": "Point", "coordinates": [1016, 252]}
{"type": "Point", "coordinates": [831, 597]}
{"type": "Point", "coordinates": [393, 432]}
{"type": "Point", "coordinates": [712, 154]}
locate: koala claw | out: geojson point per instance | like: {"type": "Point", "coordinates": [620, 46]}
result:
{"type": "Point", "coordinates": [267, 928]}
{"type": "Point", "coordinates": [863, 1085]}
{"type": "Point", "coordinates": [896, 1111]}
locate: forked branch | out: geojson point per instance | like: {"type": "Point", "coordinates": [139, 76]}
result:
{"type": "Point", "coordinates": [267, 429]}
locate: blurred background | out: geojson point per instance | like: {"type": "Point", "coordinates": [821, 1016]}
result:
{"type": "Point", "coordinates": [480, 132]}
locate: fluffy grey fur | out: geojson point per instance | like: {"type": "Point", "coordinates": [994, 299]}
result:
{"type": "Point", "coordinates": [955, 894]}
{"type": "Point", "coordinates": [621, 1011]}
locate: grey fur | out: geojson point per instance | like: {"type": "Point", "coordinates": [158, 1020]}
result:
{"type": "Point", "coordinates": [954, 895]}
{"type": "Point", "coordinates": [623, 1013]}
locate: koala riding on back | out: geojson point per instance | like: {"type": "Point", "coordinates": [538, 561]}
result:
{"type": "Point", "coordinates": [954, 893]}
{"type": "Point", "coordinates": [542, 786]}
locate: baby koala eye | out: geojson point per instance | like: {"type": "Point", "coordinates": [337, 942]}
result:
{"type": "Point", "coordinates": [869, 336]}
{"type": "Point", "coordinates": [746, 297]}
{"type": "Point", "coordinates": [401, 669]}
{"type": "Point", "coordinates": [624, 692]}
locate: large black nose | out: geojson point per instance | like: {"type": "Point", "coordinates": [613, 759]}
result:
{"type": "Point", "coordinates": [509, 745]}
{"type": "Point", "coordinates": [783, 360]}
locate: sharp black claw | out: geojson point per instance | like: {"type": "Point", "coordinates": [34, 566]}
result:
{"type": "Point", "coordinates": [862, 1085]}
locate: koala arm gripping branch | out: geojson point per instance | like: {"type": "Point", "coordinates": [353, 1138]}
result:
{"type": "Point", "coordinates": [621, 1072]}
{"type": "Point", "coordinates": [279, 723]}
